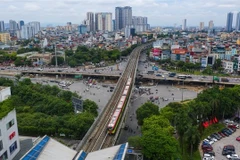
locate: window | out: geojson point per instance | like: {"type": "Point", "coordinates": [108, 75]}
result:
{"type": "Point", "coordinates": [1, 145]}
{"type": "Point", "coordinates": [10, 124]}
{"type": "Point", "coordinates": [4, 156]}
{"type": "Point", "coordinates": [13, 147]}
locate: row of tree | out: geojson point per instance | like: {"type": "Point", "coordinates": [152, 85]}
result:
{"type": "Point", "coordinates": [84, 54]}
{"type": "Point", "coordinates": [157, 138]}
{"type": "Point", "coordinates": [43, 109]}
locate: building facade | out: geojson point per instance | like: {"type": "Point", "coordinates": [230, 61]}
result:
{"type": "Point", "coordinates": [20, 24]}
{"type": "Point", "coordinates": [27, 32]}
{"type": "Point", "coordinates": [35, 27]}
{"type": "Point", "coordinates": [90, 21]}
{"type": "Point", "coordinates": [123, 17]}
{"type": "Point", "coordinates": [5, 37]}
{"type": "Point", "coordinates": [9, 139]}
{"type": "Point", "coordinates": [210, 24]}
{"type": "Point", "coordinates": [238, 22]}
{"type": "Point", "coordinates": [12, 25]}
{"type": "Point", "coordinates": [201, 26]}
{"type": "Point", "coordinates": [229, 22]}
{"type": "Point", "coordinates": [2, 27]}
{"type": "Point", "coordinates": [184, 25]}
{"type": "Point", "coordinates": [103, 21]}
{"type": "Point", "coordinates": [83, 29]}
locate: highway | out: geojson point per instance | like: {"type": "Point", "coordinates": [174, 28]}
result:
{"type": "Point", "coordinates": [97, 136]}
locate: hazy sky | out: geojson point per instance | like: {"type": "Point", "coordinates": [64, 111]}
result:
{"type": "Point", "coordinates": [159, 12]}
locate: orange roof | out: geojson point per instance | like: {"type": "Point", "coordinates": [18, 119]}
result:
{"type": "Point", "coordinates": [179, 51]}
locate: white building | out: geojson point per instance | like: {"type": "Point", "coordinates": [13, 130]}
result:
{"type": "Point", "coordinates": [35, 27]}
{"type": "Point", "coordinates": [9, 140]}
{"type": "Point", "coordinates": [27, 32]}
{"type": "Point", "coordinates": [227, 66]}
{"type": "Point", "coordinates": [5, 92]}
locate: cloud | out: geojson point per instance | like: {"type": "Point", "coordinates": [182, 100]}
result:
{"type": "Point", "coordinates": [12, 8]}
{"type": "Point", "coordinates": [226, 5]}
{"type": "Point", "coordinates": [31, 7]}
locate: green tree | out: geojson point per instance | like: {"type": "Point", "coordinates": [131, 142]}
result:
{"type": "Point", "coordinates": [90, 106]}
{"type": "Point", "coordinates": [192, 137]}
{"type": "Point", "coordinates": [60, 60]}
{"type": "Point", "coordinates": [135, 141]}
{"type": "Point", "coordinates": [145, 111]}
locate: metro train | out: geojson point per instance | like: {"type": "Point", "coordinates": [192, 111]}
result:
{"type": "Point", "coordinates": [117, 114]}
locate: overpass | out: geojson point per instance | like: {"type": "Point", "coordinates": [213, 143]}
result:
{"type": "Point", "coordinates": [155, 79]}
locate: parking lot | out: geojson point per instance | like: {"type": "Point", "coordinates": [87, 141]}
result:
{"type": "Point", "coordinates": [231, 140]}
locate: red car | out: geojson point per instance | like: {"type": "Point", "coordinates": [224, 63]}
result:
{"type": "Point", "coordinates": [238, 138]}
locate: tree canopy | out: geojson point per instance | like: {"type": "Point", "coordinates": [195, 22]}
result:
{"type": "Point", "coordinates": [145, 111]}
{"type": "Point", "coordinates": [43, 109]}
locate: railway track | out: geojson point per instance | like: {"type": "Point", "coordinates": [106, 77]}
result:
{"type": "Point", "coordinates": [99, 137]}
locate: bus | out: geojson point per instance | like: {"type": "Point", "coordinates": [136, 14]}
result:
{"type": "Point", "coordinates": [181, 76]}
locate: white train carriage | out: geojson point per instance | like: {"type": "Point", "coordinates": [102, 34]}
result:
{"type": "Point", "coordinates": [126, 90]}
{"type": "Point", "coordinates": [121, 102]}
{"type": "Point", "coordinates": [129, 81]}
{"type": "Point", "coordinates": [114, 118]}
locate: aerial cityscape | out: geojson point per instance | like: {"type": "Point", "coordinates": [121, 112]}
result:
{"type": "Point", "coordinates": [101, 80]}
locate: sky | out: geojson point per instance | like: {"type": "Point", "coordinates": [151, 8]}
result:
{"type": "Point", "coordinates": [159, 12]}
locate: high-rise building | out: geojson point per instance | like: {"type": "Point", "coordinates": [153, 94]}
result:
{"type": "Point", "coordinates": [2, 27]}
{"type": "Point", "coordinates": [83, 29]}
{"type": "Point", "coordinates": [113, 25]}
{"type": "Point", "coordinates": [184, 25]}
{"type": "Point", "coordinates": [90, 21]}
{"type": "Point", "coordinates": [20, 24]}
{"type": "Point", "coordinates": [103, 21]}
{"type": "Point", "coordinates": [201, 26]}
{"type": "Point", "coordinates": [123, 17]}
{"type": "Point", "coordinates": [27, 31]}
{"type": "Point", "coordinates": [12, 25]}
{"type": "Point", "coordinates": [35, 27]}
{"type": "Point", "coordinates": [238, 22]}
{"type": "Point", "coordinates": [139, 23]}
{"type": "Point", "coordinates": [229, 22]}
{"type": "Point", "coordinates": [210, 24]}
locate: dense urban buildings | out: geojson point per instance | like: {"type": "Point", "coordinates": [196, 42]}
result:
{"type": "Point", "coordinates": [229, 22]}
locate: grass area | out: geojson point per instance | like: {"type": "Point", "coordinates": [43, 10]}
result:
{"type": "Point", "coordinates": [212, 129]}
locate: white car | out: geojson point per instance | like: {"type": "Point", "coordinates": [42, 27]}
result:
{"type": "Point", "coordinates": [210, 142]}
{"type": "Point", "coordinates": [232, 156]}
{"type": "Point", "coordinates": [213, 139]}
{"type": "Point", "coordinates": [208, 157]}
{"type": "Point", "coordinates": [39, 69]}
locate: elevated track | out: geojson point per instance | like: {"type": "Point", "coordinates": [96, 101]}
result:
{"type": "Point", "coordinates": [98, 138]}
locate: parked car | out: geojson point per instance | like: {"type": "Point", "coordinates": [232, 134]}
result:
{"type": "Point", "coordinates": [232, 156]}
{"type": "Point", "coordinates": [208, 157]}
{"type": "Point", "coordinates": [238, 138]}
{"type": "Point", "coordinates": [228, 150]}
{"type": "Point", "coordinates": [236, 126]}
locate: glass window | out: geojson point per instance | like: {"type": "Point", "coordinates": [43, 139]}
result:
{"type": "Point", "coordinates": [4, 156]}
{"type": "Point", "coordinates": [13, 147]}
{"type": "Point", "coordinates": [10, 124]}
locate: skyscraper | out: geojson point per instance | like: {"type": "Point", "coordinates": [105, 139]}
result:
{"type": "Point", "coordinates": [139, 23]}
{"type": "Point", "coordinates": [238, 22]}
{"type": "Point", "coordinates": [27, 32]}
{"type": "Point", "coordinates": [90, 21]}
{"type": "Point", "coordinates": [201, 26]}
{"type": "Point", "coordinates": [36, 27]}
{"type": "Point", "coordinates": [12, 25]}
{"type": "Point", "coordinates": [123, 17]}
{"type": "Point", "coordinates": [229, 22]}
{"type": "Point", "coordinates": [103, 21]}
{"type": "Point", "coordinates": [20, 24]}
{"type": "Point", "coordinates": [210, 25]}
{"type": "Point", "coordinates": [184, 25]}
{"type": "Point", "coordinates": [2, 28]}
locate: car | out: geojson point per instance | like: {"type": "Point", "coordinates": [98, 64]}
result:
{"type": "Point", "coordinates": [236, 126]}
{"type": "Point", "coordinates": [158, 75]}
{"type": "Point", "coordinates": [223, 135]}
{"type": "Point", "coordinates": [188, 76]}
{"type": "Point", "coordinates": [212, 153]}
{"type": "Point", "coordinates": [213, 138]}
{"type": "Point", "coordinates": [228, 150]}
{"type": "Point", "coordinates": [238, 138]}
{"type": "Point", "coordinates": [39, 69]}
{"type": "Point", "coordinates": [207, 157]}
{"type": "Point", "coordinates": [227, 121]}
{"type": "Point", "coordinates": [232, 156]}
